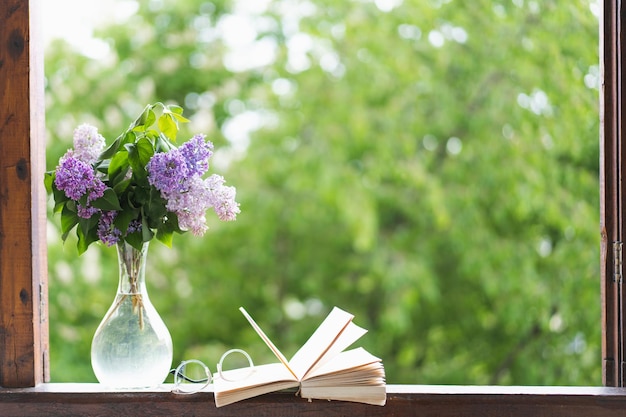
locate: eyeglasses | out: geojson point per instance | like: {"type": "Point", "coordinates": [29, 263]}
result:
{"type": "Point", "coordinates": [192, 375]}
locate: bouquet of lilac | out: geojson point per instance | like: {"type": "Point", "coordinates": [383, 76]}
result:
{"type": "Point", "coordinates": [141, 186]}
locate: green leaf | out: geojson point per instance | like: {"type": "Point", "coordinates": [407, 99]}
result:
{"type": "Point", "coordinates": [163, 144]}
{"type": "Point", "coordinates": [109, 201]}
{"type": "Point", "coordinates": [85, 238]}
{"type": "Point", "coordinates": [133, 159]}
{"type": "Point", "coordinates": [129, 137]}
{"type": "Point", "coordinates": [69, 219]}
{"type": "Point", "coordinates": [180, 118]}
{"type": "Point", "coordinates": [121, 186]}
{"type": "Point", "coordinates": [168, 125]}
{"type": "Point", "coordinates": [60, 199]}
{"type": "Point", "coordinates": [82, 244]}
{"type": "Point", "coordinates": [139, 197]}
{"type": "Point", "coordinates": [170, 223]}
{"type": "Point", "coordinates": [124, 217]}
{"type": "Point", "coordinates": [150, 119]}
{"type": "Point", "coordinates": [145, 120]}
{"type": "Point", "coordinates": [139, 155]}
{"type": "Point", "coordinates": [48, 180]}
{"type": "Point", "coordinates": [145, 151]}
{"type": "Point", "coordinates": [152, 134]}
{"type": "Point", "coordinates": [135, 240]}
{"type": "Point", "coordinates": [117, 165]}
{"type": "Point", "coordinates": [167, 228]}
{"type": "Point", "coordinates": [103, 166]}
{"type": "Point", "coordinates": [166, 237]}
{"type": "Point", "coordinates": [155, 209]}
{"type": "Point", "coordinates": [146, 232]}
{"type": "Point", "coordinates": [175, 109]}
{"type": "Point", "coordinates": [87, 233]}
{"type": "Point", "coordinates": [176, 112]}
{"type": "Point", "coordinates": [86, 225]}
{"type": "Point", "coordinates": [110, 151]}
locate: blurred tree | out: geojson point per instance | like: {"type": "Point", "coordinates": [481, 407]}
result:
{"type": "Point", "coordinates": [430, 166]}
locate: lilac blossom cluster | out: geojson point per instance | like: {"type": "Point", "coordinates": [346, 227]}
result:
{"type": "Point", "coordinates": [76, 177]}
{"type": "Point", "coordinates": [177, 174]}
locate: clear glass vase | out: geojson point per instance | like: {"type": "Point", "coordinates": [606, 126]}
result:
{"type": "Point", "coordinates": [132, 347]}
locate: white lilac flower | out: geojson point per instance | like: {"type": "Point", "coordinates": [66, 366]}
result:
{"type": "Point", "coordinates": [223, 198]}
{"type": "Point", "coordinates": [225, 205]}
{"type": "Point", "coordinates": [88, 143]}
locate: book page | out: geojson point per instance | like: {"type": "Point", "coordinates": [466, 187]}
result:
{"type": "Point", "coordinates": [344, 362]}
{"type": "Point", "coordinates": [267, 341]}
{"type": "Point", "coordinates": [244, 383]}
{"type": "Point", "coordinates": [374, 395]}
{"type": "Point", "coordinates": [351, 334]}
{"type": "Point", "coordinates": [320, 342]}
{"type": "Point", "coordinates": [242, 378]}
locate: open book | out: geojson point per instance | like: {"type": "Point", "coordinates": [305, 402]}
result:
{"type": "Point", "coordinates": [321, 368]}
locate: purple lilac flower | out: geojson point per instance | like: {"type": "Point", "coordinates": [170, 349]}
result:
{"type": "Point", "coordinates": [177, 175]}
{"type": "Point", "coordinates": [86, 211]}
{"type": "Point", "coordinates": [96, 191]}
{"type": "Point", "coordinates": [197, 152]}
{"type": "Point", "coordinates": [73, 176]}
{"type": "Point", "coordinates": [88, 143]}
{"type": "Point", "coordinates": [167, 171]}
{"type": "Point", "coordinates": [76, 178]}
{"type": "Point", "coordinates": [107, 232]}
{"type": "Point", "coordinates": [133, 226]}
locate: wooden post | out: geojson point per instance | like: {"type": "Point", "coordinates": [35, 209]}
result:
{"type": "Point", "coordinates": [23, 260]}
{"type": "Point", "coordinates": [612, 194]}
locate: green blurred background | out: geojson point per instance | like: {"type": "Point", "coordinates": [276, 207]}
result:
{"type": "Point", "coordinates": [430, 166]}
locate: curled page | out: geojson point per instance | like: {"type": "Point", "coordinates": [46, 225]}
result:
{"type": "Point", "coordinates": [320, 342]}
{"type": "Point", "coordinates": [267, 341]}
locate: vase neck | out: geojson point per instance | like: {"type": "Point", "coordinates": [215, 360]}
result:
{"type": "Point", "coordinates": [132, 268]}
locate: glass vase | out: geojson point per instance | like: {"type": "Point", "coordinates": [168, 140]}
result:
{"type": "Point", "coordinates": [132, 347]}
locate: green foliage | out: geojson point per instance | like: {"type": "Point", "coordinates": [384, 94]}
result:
{"type": "Point", "coordinates": [432, 169]}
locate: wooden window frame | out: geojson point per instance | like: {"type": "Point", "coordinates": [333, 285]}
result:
{"type": "Point", "coordinates": [612, 193]}
{"type": "Point", "coordinates": [24, 374]}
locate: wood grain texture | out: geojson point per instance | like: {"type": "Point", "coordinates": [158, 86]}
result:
{"type": "Point", "coordinates": [611, 225]}
{"type": "Point", "coordinates": [402, 400]}
{"type": "Point", "coordinates": [23, 265]}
